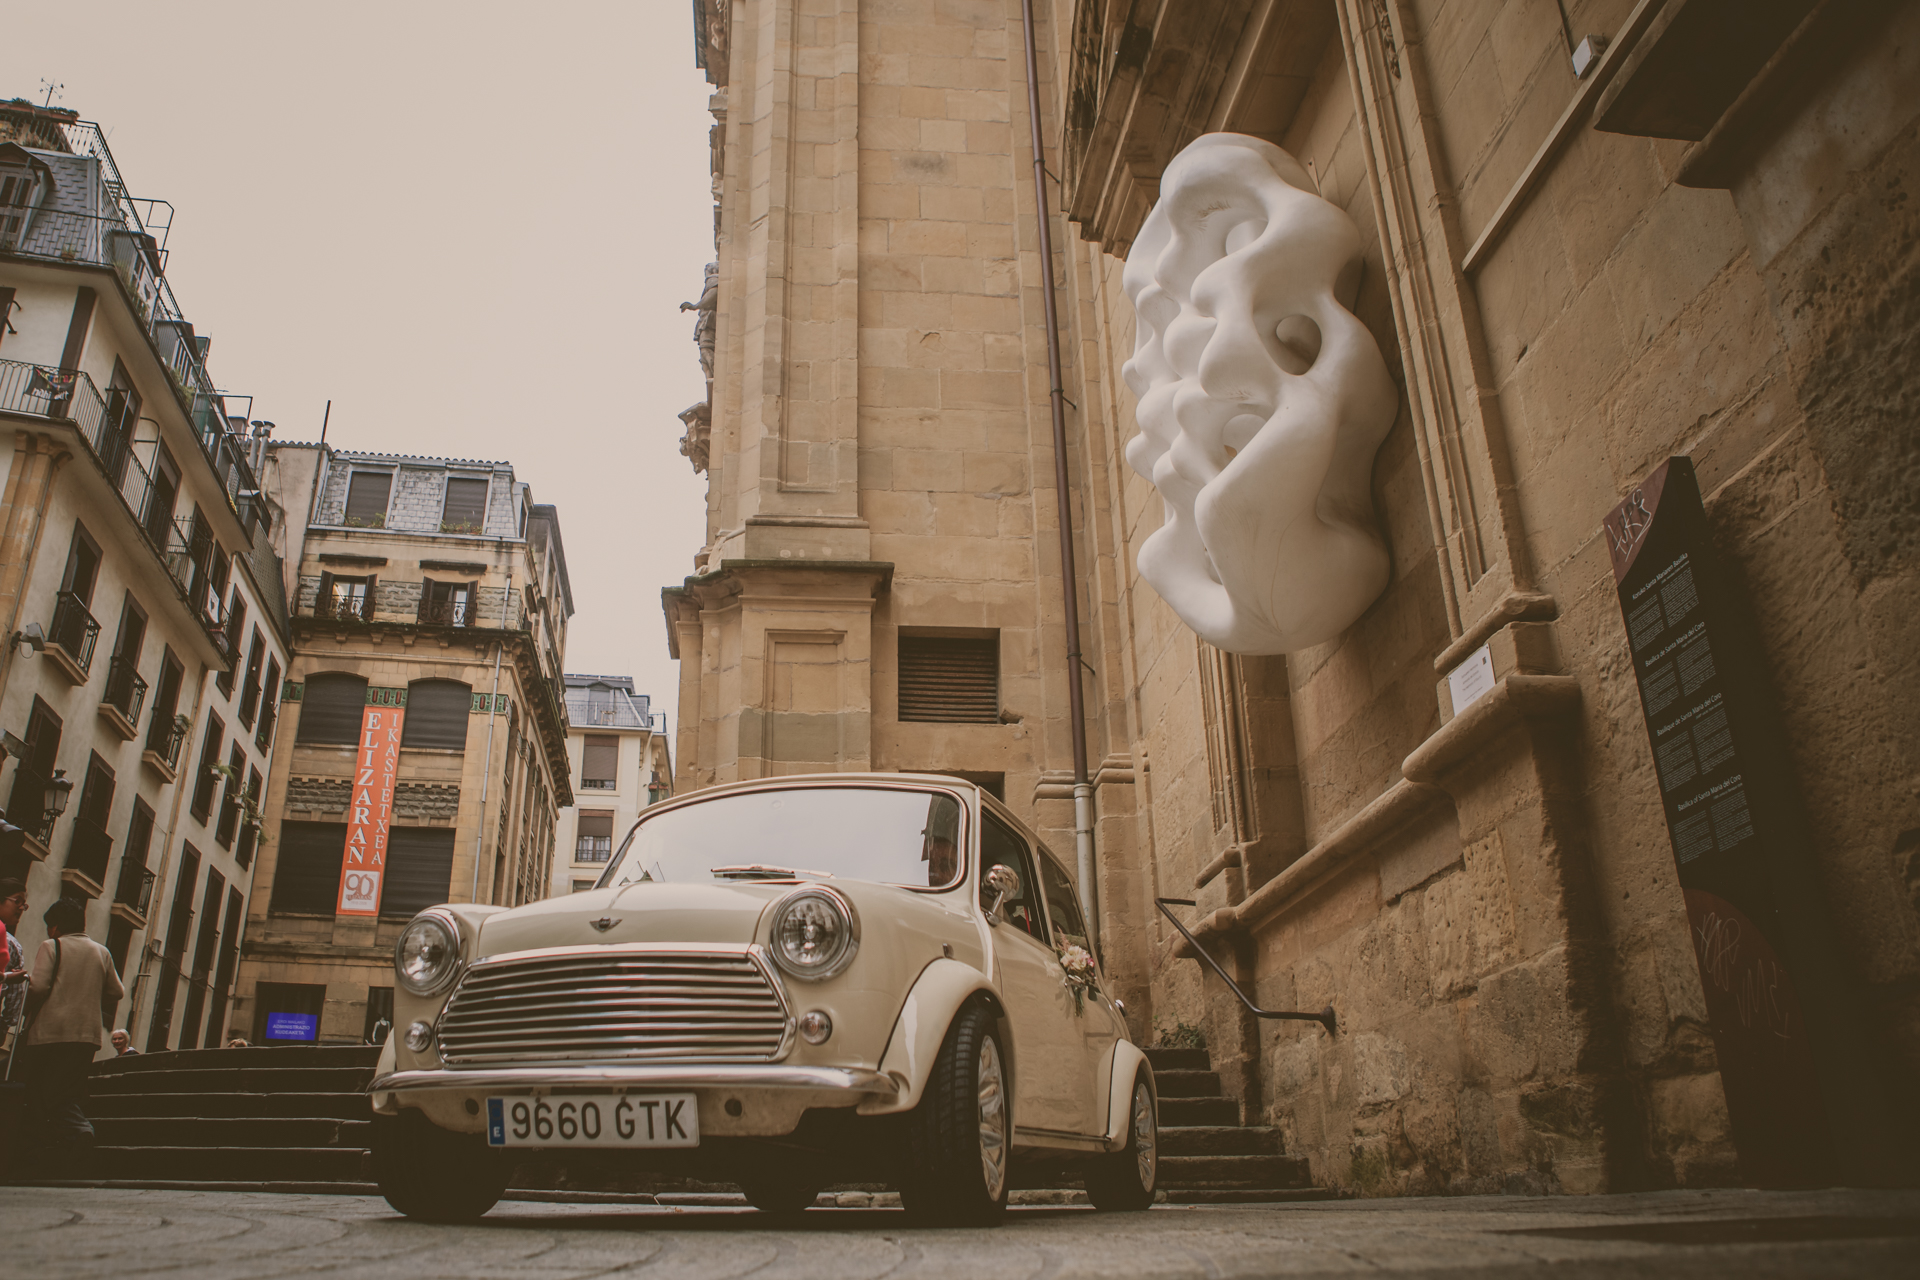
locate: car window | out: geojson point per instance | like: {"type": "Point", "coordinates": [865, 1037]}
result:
{"type": "Point", "coordinates": [1069, 927]}
{"type": "Point", "coordinates": [1000, 846]}
{"type": "Point", "coordinates": [891, 835]}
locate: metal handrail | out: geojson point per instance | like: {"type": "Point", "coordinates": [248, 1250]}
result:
{"type": "Point", "coordinates": [1325, 1017]}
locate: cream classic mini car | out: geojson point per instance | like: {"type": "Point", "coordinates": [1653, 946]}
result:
{"type": "Point", "coordinates": [784, 984]}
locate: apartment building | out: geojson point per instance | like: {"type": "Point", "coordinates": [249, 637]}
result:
{"type": "Point", "coordinates": [617, 749]}
{"type": "Point", "coordinates": [422, 742]}
{"type": "Point", "coordinates": [142, 596]}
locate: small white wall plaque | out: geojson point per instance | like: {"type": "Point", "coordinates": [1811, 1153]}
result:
{"type": "Point", "coordinates": [1471, 680]}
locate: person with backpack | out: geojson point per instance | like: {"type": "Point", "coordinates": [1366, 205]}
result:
{"type": "Point", "coordinates": [73, 993]}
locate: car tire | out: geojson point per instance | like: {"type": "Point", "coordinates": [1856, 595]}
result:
{"type": "Point", "coordinates": [430, 1174]}
{"type": "Point", "coordinates": [775, 1190]}
{"type": "Point", "coordinates": [1125, 1181]}
{"type": "Point", "coordinates": [960, 1137]}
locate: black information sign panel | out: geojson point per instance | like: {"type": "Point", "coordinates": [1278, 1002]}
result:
{"type": "Point", "coordinates": [1737, 829]}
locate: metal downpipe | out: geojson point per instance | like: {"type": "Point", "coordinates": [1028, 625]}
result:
{"type": "Point", "coordinates": [1082, 786]}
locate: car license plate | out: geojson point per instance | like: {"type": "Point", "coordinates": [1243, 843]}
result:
{"type": "Point", "coordinates": [595, 1120]}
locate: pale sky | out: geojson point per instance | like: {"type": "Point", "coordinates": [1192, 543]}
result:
{"type": "Point", "coordinates": [469, 225]}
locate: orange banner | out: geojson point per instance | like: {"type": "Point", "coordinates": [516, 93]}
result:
{"type": "Point", "coordinates": [363, 866]}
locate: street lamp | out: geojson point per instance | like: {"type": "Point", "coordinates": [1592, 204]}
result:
{"type": "Point", "coordinates": [59, 788]}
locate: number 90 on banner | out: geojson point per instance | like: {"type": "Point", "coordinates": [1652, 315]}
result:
{"type": "Point", "coordinates": [360, 890]}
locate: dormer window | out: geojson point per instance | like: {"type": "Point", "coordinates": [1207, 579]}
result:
{"type": "Point", "coordinates": [19, 197]}
{"type": "Point", "coordinates": [466, 506]}
{"type": "Point", "coordinates": [367, 494]}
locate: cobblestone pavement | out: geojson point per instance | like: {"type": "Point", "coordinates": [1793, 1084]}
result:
{"type": "Point", "coordinates": [64, 1231]}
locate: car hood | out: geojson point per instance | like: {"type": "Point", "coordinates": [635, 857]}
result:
{"type": "Point", "coordinates": [645, 912]}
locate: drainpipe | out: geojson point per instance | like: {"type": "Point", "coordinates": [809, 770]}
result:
{"type": "Point", "coordinates": [1077, 716]}
{"type": "Point", "coordinates": [486, 775]}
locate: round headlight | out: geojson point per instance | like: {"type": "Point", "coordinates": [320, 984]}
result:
{"type": "Point", "coordinates": [427, 955]}
{"type": "Point", "coordinates": [815, 933]}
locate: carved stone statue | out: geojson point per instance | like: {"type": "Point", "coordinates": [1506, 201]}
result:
{"type": "Point", "coordinates": [1262, 400]}
{"type": "Point", "coordinates": [703, 318]}
{"type": "Point", "coordinates": [694, 445]}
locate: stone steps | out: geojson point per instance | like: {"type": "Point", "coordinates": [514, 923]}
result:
{"type": "Point", "coordinates": [1207, 1156]}
{"type": "Point", "coordinates": [291, 1116]}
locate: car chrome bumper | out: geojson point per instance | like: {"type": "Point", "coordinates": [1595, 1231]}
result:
{"type": "Point", "coordinates": [641, 1076]}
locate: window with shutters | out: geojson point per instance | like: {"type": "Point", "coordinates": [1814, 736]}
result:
{"type": "Point", "coordinates": [450, 604]}
{"type": "Point", "coordinates": [206, 781]}
{"type": "Point", "coordinates": [950, 679]}
{"type": "Point", "coordinates": [250, 690]}
{"type": "Point", "coordinates": [466, 507]}
{"type": "Point", "coordinates": [91, 846]}
{"type": "Point", "coordinates": [437, 712]}
{"type": "Point", "coordinates": [250, 822]}
{"type": "Point", "coordinates": [306, 875]}
{"type": "Point", "coordinates": [236, 630]}
{"type": "Point", "coordinates": [163, 735]}
{"type": "Point", "coordinates": [331, 708]}
{"type": "Point", "coordinates": [230, 795]}
{"type": "Point", "coordinates": [269, 704]}
{"type": "Point", "coordinates": [367, 495]}
{"type": "Point", "coordinates": [419, 869]}
{"type": "Point", "coordinates": [346, 598]}
{"type": "Point", "coordinates": [27, 803]}
{"type": "Point", "coordinates": [600, 762]}
{"type": "Point", "coordinates": [593, 841]}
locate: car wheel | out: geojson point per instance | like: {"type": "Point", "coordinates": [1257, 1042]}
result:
{"type": "Point", "coordinates": [960, 1137]}
{"type": "Point", "coordinates": [1125, 1180]}
{"type": "Point", "coordinates": [778, 1190]}
{"type": "Point", "coordinates": [428, 1173]}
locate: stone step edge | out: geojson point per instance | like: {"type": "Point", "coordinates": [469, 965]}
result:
{"type": "Point", "coordinates": [671, 1199]}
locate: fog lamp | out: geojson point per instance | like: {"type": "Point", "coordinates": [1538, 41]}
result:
{"type": "Point", "coordinates": [419, 1036]}
{"type": "Point", "coordinates": [815, 1027]}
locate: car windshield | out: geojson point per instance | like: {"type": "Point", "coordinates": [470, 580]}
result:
{"type": "Point", "coordinates": [891, 835]}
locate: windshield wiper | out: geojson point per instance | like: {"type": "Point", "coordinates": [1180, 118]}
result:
{"type": "Point", "coordinates": [761, 871]}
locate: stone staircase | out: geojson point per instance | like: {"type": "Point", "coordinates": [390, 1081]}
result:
{"type": "Point", "coordinates": [1207, 1156]}
{"type": "Point", "coordinates": [297, 1117]}
{"type": "Point", "coordinates": [281, 1114]}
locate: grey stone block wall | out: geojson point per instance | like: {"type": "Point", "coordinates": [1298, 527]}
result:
{"type": "Point", "coordinates": [418, 495]}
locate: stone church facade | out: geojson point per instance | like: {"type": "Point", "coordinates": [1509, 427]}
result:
{"type": "Point", "coordinates": [1578, 262]}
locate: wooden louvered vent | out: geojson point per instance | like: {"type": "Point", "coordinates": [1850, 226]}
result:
{"type": "Point", "coordinates": [950, 681]}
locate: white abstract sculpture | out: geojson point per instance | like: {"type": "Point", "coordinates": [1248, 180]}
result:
{"type": "Point", "coordinates": [1262, 401]}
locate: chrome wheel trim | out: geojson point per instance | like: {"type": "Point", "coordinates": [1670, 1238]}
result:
{"type": "Point", "coordinates": [1146, 1139]}
{"type": "Point", "coordinates": [991, 1107]}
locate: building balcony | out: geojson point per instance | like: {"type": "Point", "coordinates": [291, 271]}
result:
{"type": "Point", "coordinates": [87, 858]}
{"type": "Point", "coordinates": [163, 748]}
{"type": "Point", "coordinates": [71, 637]}
{"type": "Point", "coordinates": [104, 424]}
{"type": "Point", "coordinates": [126, 694]}
{"type": "Point", "coordinates": [402, 602]}
{"type": "Point", "coordinates": [134, 894]}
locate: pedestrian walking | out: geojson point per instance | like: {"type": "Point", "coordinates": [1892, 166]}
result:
{"type": "Point", "coordinates": [123, 1045]}
{"type": "Point", "coordinates": [13, 966]}
{"type": "Point", "coordinates": [74, 992]}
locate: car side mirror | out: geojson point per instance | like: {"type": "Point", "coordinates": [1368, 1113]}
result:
{"type": "Point", "coordinates": [1001, 882]}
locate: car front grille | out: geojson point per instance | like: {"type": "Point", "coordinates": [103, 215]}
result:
{"type": "Point", "coordinates": [614, 1004]}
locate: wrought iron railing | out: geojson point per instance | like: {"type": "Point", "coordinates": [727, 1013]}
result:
{"type": "Point", "coordinates": [126, 691]}
{"type": "Point", "coordinates": [1325, 1017]}
{"type": "Point", "coordinates": [455, 611]}
{"type": "Point", "coordinates": [490, 608]}
{"type": "Point", "coordinates": [163, 739]}
{"type": "Point", "coordinates": [90, 850]}
{"type": "Point", "coordinates": [343, 606]}
{"type": "Point", "coordinates": [73, 629]}
{"type": "Point", "coordinates": [27, 803]}
{"type": "Point", "coordinates": [70, 396]}
{"type": "Point", "coordinates": [135, 890]}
